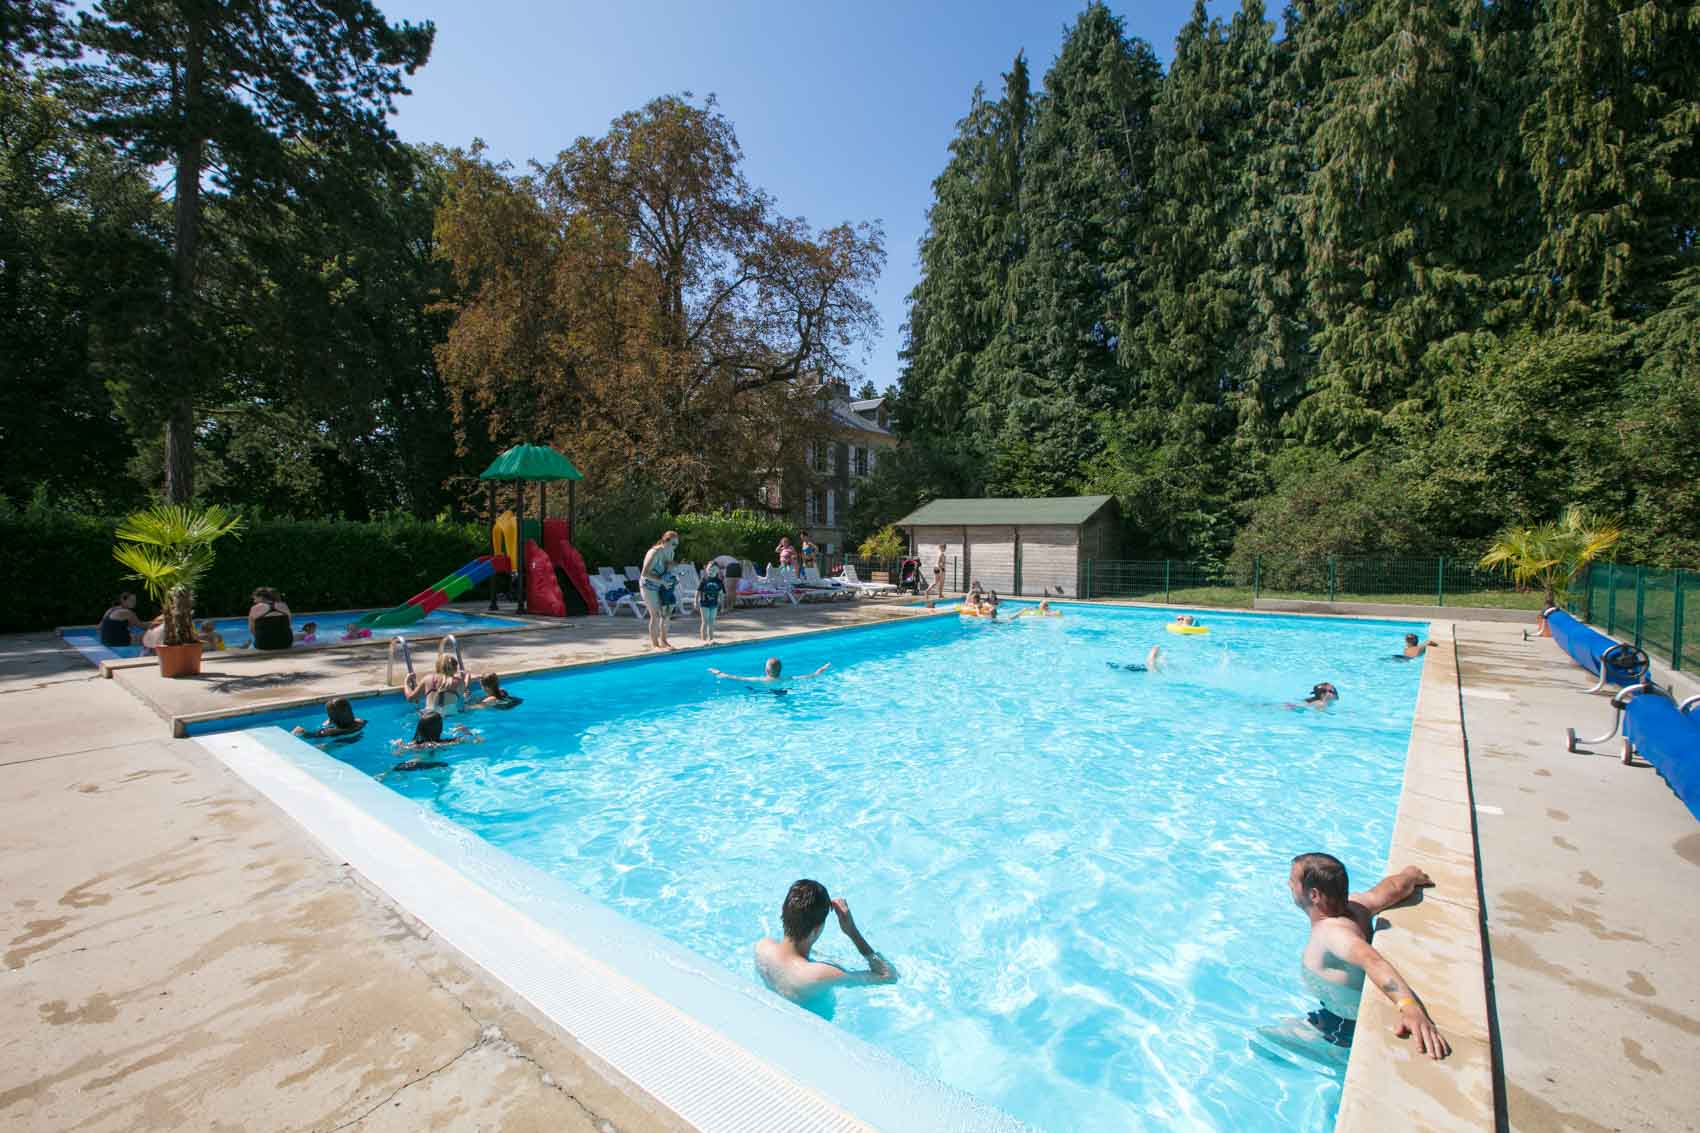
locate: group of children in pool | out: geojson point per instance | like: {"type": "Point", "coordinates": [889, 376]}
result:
{"type": "Point", "coordinates": [448, 687]}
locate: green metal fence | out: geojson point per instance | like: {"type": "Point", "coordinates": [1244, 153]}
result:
{"type": "Point", "coordinates": [1656, 609]}
{"type": "Point", "coordinates": [1410, 582]}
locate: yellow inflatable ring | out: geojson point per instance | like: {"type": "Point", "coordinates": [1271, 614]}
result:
{"type": "Point", "coordinates": [1176, 627]}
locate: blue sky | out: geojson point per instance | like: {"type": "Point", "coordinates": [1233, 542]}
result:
{"type": "Point", "coordinates": [844, 110]}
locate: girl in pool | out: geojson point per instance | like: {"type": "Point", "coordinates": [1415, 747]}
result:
{"type": "Point", "coordinates": [428, 736]}
{"type": "Point", "coordinates": [209, 636]}
{"type": "Point", "coordinates": [1321, 697]}
{"type": "Point", "coordinates": [494, 695]}
{"type": "Point", "coordinates": [446, 681]}
{"type": "Point", "coordinates": [340, 722]}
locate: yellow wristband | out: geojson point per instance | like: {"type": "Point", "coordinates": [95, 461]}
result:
{"type": "Point", "coordinates": [1405, 1001]}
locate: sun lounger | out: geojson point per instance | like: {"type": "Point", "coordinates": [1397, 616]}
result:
{"type": "Point", "coordinates": [1614, 662]}
{"type": "Point", "coordinates": [611, 605]}
{"type": "Point", "coordinates": [851, 578]}
{"type": "Point", "coordinates": [836, 587]}
{"type": "Point", "coordinates": [686, 587]}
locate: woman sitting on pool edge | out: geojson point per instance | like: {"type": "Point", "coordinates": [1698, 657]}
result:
{"type": "Point", "coordinates": [340, 722]}
{"type": "Point", "coordinates": [120, 622]}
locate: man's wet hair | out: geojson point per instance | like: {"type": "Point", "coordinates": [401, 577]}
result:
{"type": "Point", "coordinates": [806, 907]}
{"type": "Point", "coordinates": [1410, 639]}
{"type": "Point", "coordinates": [1317, 692]}
{"type": "Point", "coordinates": [1324, 873]}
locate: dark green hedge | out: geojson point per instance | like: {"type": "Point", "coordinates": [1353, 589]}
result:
{"type": "Point", "coordinates": [61, 570]}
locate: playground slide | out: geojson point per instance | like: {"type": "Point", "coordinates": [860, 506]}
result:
{"type": "Point", "coordinates": [445, 589]}
{"type": "Point", "coordinates": [570, 562]}
{"type": "Point", "coordinates": [542, 592]}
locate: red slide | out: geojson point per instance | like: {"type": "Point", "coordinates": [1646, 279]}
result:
{"type": "Point", "coordinates": [542, 593]}
{"type": "Point", "coordinates": [566, 556]}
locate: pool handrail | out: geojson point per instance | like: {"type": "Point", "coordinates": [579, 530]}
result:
{"type": "Point", "coordinates": [399, 640]}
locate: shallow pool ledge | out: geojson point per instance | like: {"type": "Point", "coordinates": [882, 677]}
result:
{"type": "Point", "coordinates": [722, 1053]}
{"type": "Point", "coordinates": [1436, 943]}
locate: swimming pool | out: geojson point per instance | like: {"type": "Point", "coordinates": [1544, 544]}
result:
{"type": "Point", "coordinates": [1079, 871]}
{"type": "Point", "coordinates": [86, 639]}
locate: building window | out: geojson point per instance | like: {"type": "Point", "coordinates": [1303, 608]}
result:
{"type": "Point", "coordinates": [831, 507]}
{"type": "Point", "coordinates": [831, 458]}
{"type": "Point", "coordinates": [850, 497]}
{"type": "Point", "coordinates": [861, 460]}
{"type": "Point", "coordinates": [871, 455]}
{"type": "Point", "coordinates": [810, 511]}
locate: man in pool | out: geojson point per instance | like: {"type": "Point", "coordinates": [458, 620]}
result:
{"type": "Point", "coordinates": [1321, 696]}
{"type": "Point", "coordinates": [772, 676]}
{"type": "Point", "coordinates": [1414, 647]}
{"type": "Point", "coordinates": [1339, 954]}
{"type": "Point", "coordinates": [784, 964]}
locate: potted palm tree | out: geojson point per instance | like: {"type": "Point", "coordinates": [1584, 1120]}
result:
{"type": "Point", "coordinates": [168, 549]}
{"type": "Point", "coordinates": [1550, 555]}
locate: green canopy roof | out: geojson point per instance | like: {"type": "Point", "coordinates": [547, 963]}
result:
{"type": "Point", "coordinates": [1056, 510]}
{"type": "Point", "coordinates": [531, 462]}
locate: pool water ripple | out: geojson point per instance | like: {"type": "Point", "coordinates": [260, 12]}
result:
{"type": "Point", "coordinates": [1078, 871]}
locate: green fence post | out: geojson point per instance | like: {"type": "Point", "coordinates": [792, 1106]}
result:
{"type": "Point", "coordinates": [1611, 598]}
{"type": "Point", "coordinates": [1330, 579]}
{"type": "Point", "coordinates": [1440, 581]}
{"type": "Point", "coordinates": [1165, 582]}
{"type": "Point", "coordinates": [1256, 578]}
{"type": "Point", "coordinates": [1640, 601]}
{"type": "Point", "coordinates": [1588, 595]}
{"type": "Point", "coordinates": [1676, 620]}
{"type": "Point", "coordinates": [1089, 578]}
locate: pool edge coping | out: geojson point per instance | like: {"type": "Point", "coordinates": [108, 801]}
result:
{"type": "Point", "coordinates": [1436, 942]}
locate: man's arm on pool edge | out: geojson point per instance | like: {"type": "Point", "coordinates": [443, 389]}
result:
{"type": "Point", "coordinates": [1413, 1016]}
{"type": "Point", "coordinates": [1392, 889]}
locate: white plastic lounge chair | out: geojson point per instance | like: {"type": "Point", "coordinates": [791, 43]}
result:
{"type": "Point", "coordinates": [607, 574]}
{"type": "Point", "coordinates": [602, 587]}
{"type": "Point", "coordinates": [632, 574]}
{"type": "Point", "coordinates": [832, 587]}
{"type": "Point", "coordinates": [851, 578]}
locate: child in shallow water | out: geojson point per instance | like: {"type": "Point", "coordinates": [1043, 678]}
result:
{"type": "Point", "coordinates": [495, 696]}
{"type": "Point", "coordinates": [310, 633]}
{"type": "Point", "coordinates": [339, 721]}
{"type": "Point", "coordinates": [428, 736]}
{"type": "Point", "coordinates": [209, 636]}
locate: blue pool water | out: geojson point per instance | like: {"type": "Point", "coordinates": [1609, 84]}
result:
{"type": "Point", "coordinates": [86, 639]}
{"type": "Point", "coordinates": [1079, 872]}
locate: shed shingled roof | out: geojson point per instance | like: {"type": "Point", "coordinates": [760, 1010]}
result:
{"type": "Point", "coordinates": [1064, 510]}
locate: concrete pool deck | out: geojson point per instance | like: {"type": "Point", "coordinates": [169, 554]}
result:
{"type": "Point", "coordinates": [180, 955]}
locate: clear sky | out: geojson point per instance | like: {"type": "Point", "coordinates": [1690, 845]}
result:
{"type": "Point", "coordinates": [844, 109]}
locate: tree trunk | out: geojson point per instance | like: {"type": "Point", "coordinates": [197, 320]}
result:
{"type": "Point", "coordinates": [179, 616]}
{"type": "Point", "coordinates": [186, 238]}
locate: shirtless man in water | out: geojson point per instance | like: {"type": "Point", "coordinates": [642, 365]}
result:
{"type": "Point", "coordinates": [1339, 954]}
{"type": "Point", "coordinates": [785, 965]}
{"type": "Point", "coordinates": [773, 675]}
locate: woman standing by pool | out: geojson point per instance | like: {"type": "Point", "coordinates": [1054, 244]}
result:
{"type": "Point", "coordinates": [655, 565]}
{"type": "Point", "coordinates": [268, 620]}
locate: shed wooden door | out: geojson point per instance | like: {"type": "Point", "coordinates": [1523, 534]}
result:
{"type": "Point", "coordinates": [1049, 562]}
{"type": "Point", "coordinates": [928, 540]}
{"type": "Point", "coordinates": [991, 555]}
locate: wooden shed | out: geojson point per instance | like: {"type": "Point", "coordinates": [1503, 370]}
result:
{"type": "Point", "coordinates": [1014, 546]}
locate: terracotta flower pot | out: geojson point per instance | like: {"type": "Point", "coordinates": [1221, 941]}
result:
{"type": "Point", "coordinates": [179, 660]}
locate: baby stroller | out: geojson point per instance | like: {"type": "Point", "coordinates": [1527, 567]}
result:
{"type": "Point", "coordinates": [909, 575]}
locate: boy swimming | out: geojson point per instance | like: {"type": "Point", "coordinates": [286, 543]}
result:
{"type": "Point", "coordinates": [785, 965]}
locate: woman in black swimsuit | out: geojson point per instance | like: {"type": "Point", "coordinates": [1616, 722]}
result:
{"type": "Point", "coordinates": [119, 622]}
{"type": "Point", "coordinates": [268, 621]}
